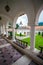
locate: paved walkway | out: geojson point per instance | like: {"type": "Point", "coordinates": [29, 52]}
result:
{"type": "Point", "coordinates": [8, 54]}
{"type": "Point", "coordinates": [24, 60]}
{"type": "Point", "coordinates": [1, 46]}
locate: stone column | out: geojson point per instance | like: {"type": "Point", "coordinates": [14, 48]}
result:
{"type": "Point", "coordinates": [4, 32]}
{"type": "Point", "coordinates": [1, 29]}
{"type": "Point", "coordinates": [32, 36]}
{"type": "Point", "coordinates": [13, 30]}
{"type": "Point", "coordinates": [6, 29]}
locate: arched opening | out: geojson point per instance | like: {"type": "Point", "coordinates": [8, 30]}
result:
{"type": "Point", "coordinates": [39, 31]}
{"type": "Point", "coordinates": [22, 29]}
{"type": "Point", "coordinates": [22, 22]}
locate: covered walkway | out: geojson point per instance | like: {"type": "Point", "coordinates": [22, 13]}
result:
{"type": "Point", "coordinates": [10, 10]}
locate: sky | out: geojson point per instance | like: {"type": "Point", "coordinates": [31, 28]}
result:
{"type": "Point", "coordinates": [41, 17]}
{"type": "Point", "coordinates": [24, 19]}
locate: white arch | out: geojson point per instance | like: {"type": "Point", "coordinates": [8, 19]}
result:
{"type": "Point", "coordinates": [30, 19]}
{"type": "Point", "coordinates": [19, 16]}
{"type": "Point", "coordinates": [38, 14]}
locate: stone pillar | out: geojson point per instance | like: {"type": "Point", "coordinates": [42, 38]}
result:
{"type": "Point", "coordinates": [6, 29]}
{"type": "Point", "coordinates": [32, 36]}
{"type": "Point", "coordinates": [13, 30]}
{"type": "Point", "coordinates": [4, 32]}
{"type": "Point", "coordinates": [1, 29]}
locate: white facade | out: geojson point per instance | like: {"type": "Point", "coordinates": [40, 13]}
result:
{"type": "Point", "coordinates": [23, 31]}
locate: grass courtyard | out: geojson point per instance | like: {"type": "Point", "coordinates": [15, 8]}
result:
{"type": "Point", "coordinates": [19, 34]}
{"type": "Point", "coordinates": [38, 41]}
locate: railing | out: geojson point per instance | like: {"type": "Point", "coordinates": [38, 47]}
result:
{"type": "Point", "coordinates": [41, 49]}
{"type": "Point", "coordinates": [21, 43]}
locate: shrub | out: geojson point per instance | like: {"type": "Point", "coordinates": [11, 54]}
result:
{"type": "Point", "coordinates": [42, 34]}
{"type": "Point", "coordinates": [17, 26]}
{"type": "Point", "coordinates": [38, 33]}
{"type": "Point", "coordinates": [20, 34]}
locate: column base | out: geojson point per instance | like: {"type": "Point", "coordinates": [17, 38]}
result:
{"type": "Point", "coordinates": [4, 33]}
{"type": "Point", "coordinates": [6, 36]}
{"type": "Point", "coordinates": [14, 40]}
{"type": "Point", "coordinates": [32, 50]}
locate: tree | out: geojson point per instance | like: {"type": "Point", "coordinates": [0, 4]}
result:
{"type": "Point", "coordinates": [17, 26]}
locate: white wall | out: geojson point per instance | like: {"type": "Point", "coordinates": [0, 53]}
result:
{"type": "Point", "coordinates": [22, 31]}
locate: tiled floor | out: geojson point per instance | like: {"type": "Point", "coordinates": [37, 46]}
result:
{"type": "Point", "coordinates": [5, 45]}
{"type": "Point", "coordinates": [2, 42]}
{"type": "Point", "coordinates": [8, 54]}
{"type": "Point", "coordinates": [24, 60]}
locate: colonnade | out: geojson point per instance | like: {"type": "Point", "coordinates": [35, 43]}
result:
{"type": "Point", "coordinates": [4, 30]}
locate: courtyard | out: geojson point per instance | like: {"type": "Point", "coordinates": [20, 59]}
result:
{"type": "Point", "coordinates": [38, 41]}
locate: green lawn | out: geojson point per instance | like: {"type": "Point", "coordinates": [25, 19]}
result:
{"type": "Point", "coordinates": [27, 40]}
{"type": "Point", "coordinates": [19, 34]}
{"type": "Point", "coordinates": [38, 41]}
